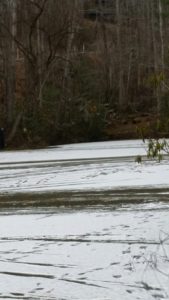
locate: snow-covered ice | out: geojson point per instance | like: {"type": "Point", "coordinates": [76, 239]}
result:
{"type": "Point", "coordinates": [113, 250]}
{"type": "Point", "coordinates": [81, 167]}
{"type": "Point", "coordinates": [76, 152]}
{"type": "Point", "coordinates": [89, 254]}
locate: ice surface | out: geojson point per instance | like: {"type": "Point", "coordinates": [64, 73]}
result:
{"type": "Point", "coordinates": [81, 167]}
{"type": "Point", "coordinates": [89, 254]}
{"type": "Point", "coordinates": [106, 251]}
{"type": "Point", "coordinates": [76, 151]}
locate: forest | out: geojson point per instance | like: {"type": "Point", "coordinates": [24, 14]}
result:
{"type": "Point", "coordinates": [83, 70]}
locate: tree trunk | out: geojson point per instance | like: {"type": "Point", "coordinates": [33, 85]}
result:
{"type": "Point", "coordinates": [10, 60]}
{"type": "Point", "coordinates": [119, 47]}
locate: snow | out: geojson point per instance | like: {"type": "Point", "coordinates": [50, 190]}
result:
{"type": "Point", "coordinates": [81, 167]}
{"type": "Point", "coordinates": [89, 254]}
{"type": "Point", "coordinates": [76, 152]}
{"type": "Point", "coordinates": [112, 250]}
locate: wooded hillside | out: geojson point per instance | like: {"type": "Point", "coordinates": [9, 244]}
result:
{"type": "Point", "coordinates": [77, 70]}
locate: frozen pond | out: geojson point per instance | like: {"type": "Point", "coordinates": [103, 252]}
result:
{"type": "Point", "coordinates": [84, 222]}
{"type": "Point", "coordinates": [71, 171]}
{"type": "Point", "coordinates": [115, 252]}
